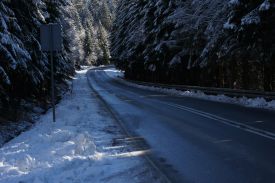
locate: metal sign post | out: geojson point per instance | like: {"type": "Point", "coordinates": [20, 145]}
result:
{"type": "Point", "coordinates": [51, 41]}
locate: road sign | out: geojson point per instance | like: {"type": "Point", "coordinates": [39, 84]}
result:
{"type": "Point", "coordinates": [51, 37]}
{"type": "Point", "coordinates": [51, 41]}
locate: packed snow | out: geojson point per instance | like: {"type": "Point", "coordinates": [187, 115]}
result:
{"type": "Point", "coordinates": [244, 101]}
{"type": "Point", "coordinates": [251, 18]}
{"type": "Point", "coordinates": [229, 26]}
{"type": "Point", "coordinates": [265, 6]}
{"type": "Point", "coordinates": [84, 145]}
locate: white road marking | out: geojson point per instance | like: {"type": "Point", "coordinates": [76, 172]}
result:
{"type": "Point", "coordinates": [236, 124]}
{"type": "Point", "coordinates": [259, 122]}
{"type": "Point", "coordinates": [150, 96]}
{"type": "Point", "coordinates": [222, 141]}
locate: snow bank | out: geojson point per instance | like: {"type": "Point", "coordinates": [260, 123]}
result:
{"type": "Point", "coordinates": [77, 148]}
{"type": "Point", "coordinates": [114, 72]}
{"type": "Point", "coordinates": [265, 6]}
{"type": "Point", "coordinates": [244, 101]}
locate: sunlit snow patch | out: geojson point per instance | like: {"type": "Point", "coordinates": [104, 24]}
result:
{"type": "Point", "coordinates": [77, 148]}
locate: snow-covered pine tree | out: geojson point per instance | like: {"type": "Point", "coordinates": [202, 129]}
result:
{"type": "Point", "coordinates": [24, 68]}
{"type": "Point", "coordinates": [88, 25]}
{"type": "Point", "coordinates": [207, 43]}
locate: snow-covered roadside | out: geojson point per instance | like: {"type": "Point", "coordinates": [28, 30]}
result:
{"type": "Point", "coordinates": [84, 145]}
{"type": "Point", "coordinates": [244, 101]}
{"type": "Point", "coordinates": [30, 113]}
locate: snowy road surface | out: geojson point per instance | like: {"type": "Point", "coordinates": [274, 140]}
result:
{"type": "Point", "coordinates": [194, 140]}
{"type": "Point", "coordinates": [84, 145]}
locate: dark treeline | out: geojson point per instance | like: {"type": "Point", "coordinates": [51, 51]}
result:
{"type": "Point", "coordinates": [217, 43]}
{"type": "Point", "coordinates": [24, 68]}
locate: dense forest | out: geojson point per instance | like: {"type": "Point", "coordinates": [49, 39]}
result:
{"type": "Point", "coordinates": [211, 43]}
{"type": "Point", "coordinates": [87, 25]}
{"type": "Point", "coordinates": [25, 69]}
{"type": "Point", "coordinates": [221, 43]}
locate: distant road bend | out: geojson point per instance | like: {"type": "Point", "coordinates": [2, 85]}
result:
{"type": "Point", "coordinates": [194, 140]}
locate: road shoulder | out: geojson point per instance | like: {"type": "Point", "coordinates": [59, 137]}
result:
{"type": "Point", "coordinates": [84, 145]}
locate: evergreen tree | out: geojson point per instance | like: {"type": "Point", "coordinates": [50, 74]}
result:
{"type": "Point", "coordinates": [208, 43]}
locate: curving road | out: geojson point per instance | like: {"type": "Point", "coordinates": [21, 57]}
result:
{"type": "Point", "coordinates": [194, 140]}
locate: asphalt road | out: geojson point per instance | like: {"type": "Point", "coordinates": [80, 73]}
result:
{"type": "Point", "coordinates": [191, 140]}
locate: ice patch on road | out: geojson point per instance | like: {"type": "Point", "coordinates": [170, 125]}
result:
{"type": "Point", "coordinates": [244, 101]}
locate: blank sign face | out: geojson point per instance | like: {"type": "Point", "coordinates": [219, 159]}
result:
{"type": "Point", "coordinates": [51, 37]}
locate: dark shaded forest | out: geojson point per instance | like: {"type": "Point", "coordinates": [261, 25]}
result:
{"type": "Point", "coordinates": [24, 68]}
{"type": "Point", "coordinates": [227, 44]}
